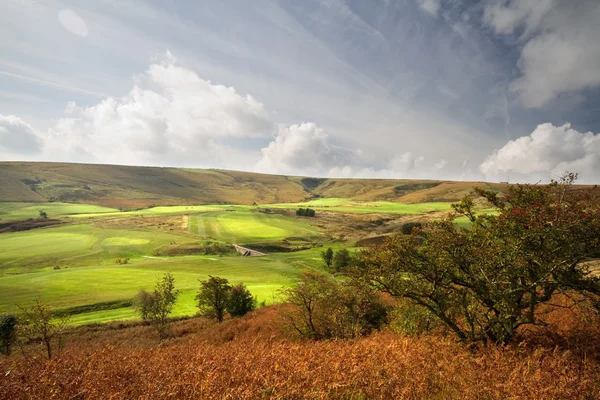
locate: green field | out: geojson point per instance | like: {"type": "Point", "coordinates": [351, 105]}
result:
{"type": "Point", "coordinates": [367, 207]}
{"type": "Point", "coordinates": [249, 227]}
{"type": "Point", "coordinates": [13, 211]}
{"type": "Point", "coordinates": [76, 245]}
{"type": "Point", "coordinates": [73, 265]}
{"type": "Point", "coordinates": [72, 286]}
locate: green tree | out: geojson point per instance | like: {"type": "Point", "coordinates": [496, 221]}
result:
{"type": "Point", "coordinates": [8, 325]}
{"type": "Point", "coordinates": [327, 256]}
{"type": "Point", "coordinates": [213, 297]}
{"type": "Point", "coordinates": [43, 214]}
{"type": "Point", "coordinates": [39, 322]}
{"type": "Point", "coordinates": [240, 301]}
{"type": "Point", "coordinates": [323, 307]}
{"type": "Point", "coordinates": [341, 260]}
{"type": "Point", "coordinates": [485, 282]}
{"type": "Point", "coordinates": [157, 306]}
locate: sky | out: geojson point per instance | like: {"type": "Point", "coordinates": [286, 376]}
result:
{"type": "Point", "coordinates": [495, 90]}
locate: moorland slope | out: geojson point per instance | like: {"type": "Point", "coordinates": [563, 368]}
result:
{"type": "Point", "coordinates": [132, 186]}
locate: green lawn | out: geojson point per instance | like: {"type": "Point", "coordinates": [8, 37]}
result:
{"type": "Point", "coordinates": [74, 264]}
{"type": "Point", "coordinates": [71, 286]}
{"type": "Point", "coordinates": [77, 245]}
{"type": "Point", "coordinates": [371, 207]}
{"type": "Point", "coordinates": [21, 211]}
{"type": "Point", "coordinates": [248, 227]}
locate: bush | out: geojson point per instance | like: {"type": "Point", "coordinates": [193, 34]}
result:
{"type": "Point", "coordinates": [325, 308]}
{"type": "Point", "coordinates": [39, 322]}
{"type": "Point", "coordinates": [407, 227]}
{"type": "Point", "coordinates": [240, 301]}
{"type": "Point", "coordinates": [305, 212]}
{"type": "Point", "coordinates": [157, 306]}
{"type": "Point", "coordinates": [409, 320]}
{"type": "Point", "coordinates": [8, 325]}
{"type": "Point", "coordinates": [121, 261]}
{"type": "Point", "coordinates": [341, 260]}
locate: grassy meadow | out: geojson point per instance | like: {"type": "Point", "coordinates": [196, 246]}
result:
{"type": "Point", "coordinates": [73, 265]}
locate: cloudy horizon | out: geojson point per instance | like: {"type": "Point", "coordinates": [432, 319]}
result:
{"type": "Point", "coordinates": [427, 89]}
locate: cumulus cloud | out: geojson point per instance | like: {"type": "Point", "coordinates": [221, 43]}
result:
{"type": "Point", "coordinates": [302, 149]}
{"type": "Point", "coordinates": [306, 149]}
{"type": "Point", "coordinates": [171, 115]}
{"type": "Point", "coordinates": [561, 45]}
{"type": "Point", "coordinates": [547, 152]}
{"type": "Point", "coordinates": [18, 137]}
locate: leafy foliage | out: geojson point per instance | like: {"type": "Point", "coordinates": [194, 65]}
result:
{"type": "Point", "coordinates": [325, 308]}
{"type": "Point", "coordinates": [306, 212]}
{"type": "Point", "coordinates": [39, 322]}
{"type": "Point", "coordinates": [213, 297]}
{"type": "Point", "coordinates": [487, 281]}
{"type": "Point", "coordinates": [157, 306]}
{"type": "Point", "coordinates": [8, 324]}
{"type": "Point", "coordinates": [240, 301]}
{"type": "Point", "coordinates": [327, 257]}
{"type": "Point", "coordinates": [341, 260]}
{"type": "Point", "coordinates": [408, 227]}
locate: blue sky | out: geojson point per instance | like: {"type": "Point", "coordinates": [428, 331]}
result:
{"type": "Point", "coordinates": [446, 89]}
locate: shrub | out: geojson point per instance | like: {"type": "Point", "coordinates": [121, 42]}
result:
{"type": "Point", "coordinates": [8, 325]}
{"type": "Point", "coordinates": [408, 227]}
{"type": "Point", "coordinates": [325, 308]}
{"type": "Point", "coordinates": [341, 260]}
{"type": "Point", "coordinates": [39, 322]}
{"type": "Point", "coordinates": [305, 212]}
{"type": "Point", "coordinates": [156, 307]}
{"type": "Point", "coordinates": [409, 320]}
{"type": "Point", "coordinates": [240, 301]}
{"type": "Point", "coordinates": [121, 261]}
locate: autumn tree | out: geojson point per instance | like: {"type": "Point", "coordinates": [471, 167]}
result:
{"type": "Point", "coordinates": [157, 306]}
{"type": "Point", "coordinates": [486, 281]}
{"type": "Point", "coordinates": [213, 297]}
{"type": "Point", "coordinates": [39, 322]}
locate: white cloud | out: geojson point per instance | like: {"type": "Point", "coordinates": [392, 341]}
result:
{"type": "Point", "coordinates": [18, 137]}
{"type": "Point", "coordinates": [548, 151]}
{"type": "Point", "coordinates": [302, 149]}
{"type": "Point", "coordinates": [561, 51]}
{"type": "Point", "coordinates": [430, 6]}
{"type": "Point", "coordinates": [305, 149]}
{"type": "Point", "coordinates": [169, 116]}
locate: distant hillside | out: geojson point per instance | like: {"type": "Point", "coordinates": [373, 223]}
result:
{"type": "Point", "coordinates": [129, 187]}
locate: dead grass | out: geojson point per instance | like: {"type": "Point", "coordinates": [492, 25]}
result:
{"type": "Point", "coordinates": [253, 357]}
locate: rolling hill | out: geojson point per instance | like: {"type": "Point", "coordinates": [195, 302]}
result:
{"type": "Point", "coordinates": [136, 187]}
